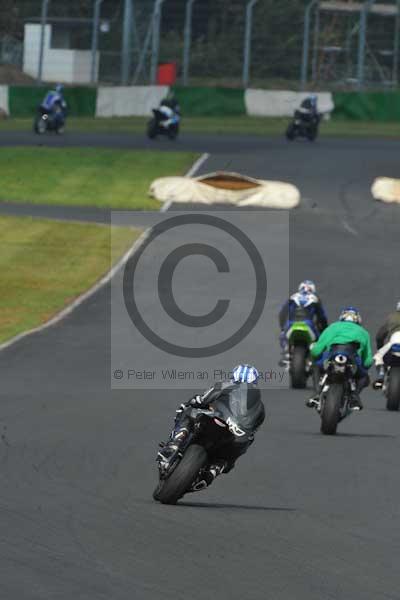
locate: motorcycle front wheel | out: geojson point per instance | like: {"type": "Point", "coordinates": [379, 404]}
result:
{"type": "Point", "coordinates": [330, 411]}
{"type": "Point", "coordinates": [172, 488]}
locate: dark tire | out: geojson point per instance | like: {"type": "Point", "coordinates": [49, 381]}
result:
{"type": "Point", "coordinates": [298, 375]}
{"type": "Point", "coordinates": [173, 133]}
{"type": "Point", "coordinates": [393, 390]}
{"type": "Point", "coordinates": [312, 133]}
{"type": "Point", "coordinates": [182, 477]}
{"type": "Point", "coordinates": [152, 129]}
{"type": "Point", "coordinates": [330, 413]}
{"type": "Point", "coordinates": [291, 132]}
{"type": "Point", "coordinates": [156, 493]}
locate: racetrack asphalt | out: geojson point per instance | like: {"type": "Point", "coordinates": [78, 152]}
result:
{"type": "Point", "coordinates": [301, 517]}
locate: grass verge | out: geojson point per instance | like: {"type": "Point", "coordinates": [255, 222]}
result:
{"type": "Point", "coordinates": [216, 125]}
{"type": "Point", "coordinates": [44, 265]}
{"type": "Point", "coordinates": [115, 179]}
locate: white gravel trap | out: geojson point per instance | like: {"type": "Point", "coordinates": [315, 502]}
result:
{"type": "Point", "coordinates": [386, 189]}
{"type": "Point", "coordinates": [226, 188]}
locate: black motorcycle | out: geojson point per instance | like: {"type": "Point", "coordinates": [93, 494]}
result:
{"type": "Point", "coordinates": [164, 122]}
{"type": "Point", "coordinates": [337, 386]}
{"type": "Point", "coordinates": [303, 125]}
{"type": "Point", "coordinates": [46, 120]}
{"type": "Point", "coordinates": [391, 385]}
{"type": "Point", "coordinates": [213, 429]}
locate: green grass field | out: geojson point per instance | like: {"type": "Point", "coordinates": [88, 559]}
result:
{"type": "Point", "coordinates": [228, 125]}
{"type": "Point", "coordinates": [114, 179]}
{"type": "Point", "coordinates": [44, 265]}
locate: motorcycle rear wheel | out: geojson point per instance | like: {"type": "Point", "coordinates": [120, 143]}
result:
{"type": "Point", "coordinates": [312, 133]}
{"type": "Point", "coordinates": [152, 129]}
{"type": "Point", "coordinates": [40, 125]}
{"type": "Point", "coordinates": [182, 477]}
{"type": "Point", "coordinates": [173, 132]}
{"type": "Point", "coordinates": [298, 375]}
{"type": "Point", "coordinates": [330, 413]}
{"type": "Point", "coordinates": [291, 132]}
{"type": "Point", "coordinates": [393, 390]}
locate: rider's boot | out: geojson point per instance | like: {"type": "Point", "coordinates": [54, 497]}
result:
{"type": "Point", "coordinates": [208, 475]}
{"type": "Point", "coordinates": [313, 402]}
{"type": "Point", "coordinates": [174, 445]}
{"type": "Point", "coordinates": [285, 355]}
{"type": "Point", "coordinates": [380, 376]}
{"type": "Point", "coordinates": [355, 401]}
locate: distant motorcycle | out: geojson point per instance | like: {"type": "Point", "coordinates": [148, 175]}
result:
{"type": "Point", "coordinates": [337, 385]}
{"type": "Point", "coordinates": [49, 120]}
{"type": "Point", "coordinates": [214, 427]}
{"type": "Point", "coordinates": [391, 385]}
{"type": "Point", "coordinates": [165, 121]}
{"type": "Point", "coordinates": [300, 336]}
{"type": "Point", "coordinates": [303, 125]}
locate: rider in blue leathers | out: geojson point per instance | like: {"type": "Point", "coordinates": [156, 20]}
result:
{"type": "Point", "coordinates": [55, 104]}
{"type": "Point", "coordinates": [304, 305]}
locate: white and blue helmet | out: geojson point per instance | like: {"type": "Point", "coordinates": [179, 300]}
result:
{"type": "Point", "coordinates": [307, 287]}
{"type": "Point", "coordinates": [350, 314]}
{"type": "Point", "coordinates": [245, 374]}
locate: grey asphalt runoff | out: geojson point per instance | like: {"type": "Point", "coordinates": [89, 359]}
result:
{"type": "Point", "coordinates": [301, 517]}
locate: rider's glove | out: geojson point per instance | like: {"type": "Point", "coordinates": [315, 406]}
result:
{"type": "Point", "coordinates": [196, 401]}
{"type": "Point", "coordinates": [180, 410]}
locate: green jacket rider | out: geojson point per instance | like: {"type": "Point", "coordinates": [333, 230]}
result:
{"type": "Point", "coordinates": [347, 330]}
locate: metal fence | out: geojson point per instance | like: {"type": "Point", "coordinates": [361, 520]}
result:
{"type": "Point", "coordinates": [262, 43]}
{"type": "Point", "coordinates": [351, 43]}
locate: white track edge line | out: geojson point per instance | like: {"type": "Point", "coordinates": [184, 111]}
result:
{"type": "Point", "coordinates": [105, 279]}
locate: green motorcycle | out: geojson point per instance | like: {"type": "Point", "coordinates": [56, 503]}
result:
{"type": "Point", "coordinates": [300, 336]}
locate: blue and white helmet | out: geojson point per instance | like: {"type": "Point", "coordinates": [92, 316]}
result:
{"type": "Point", "coordinates": [59, 88]}
{"type": "Point", "coordinates": [245, 374]}
{"type": "Point", "coordinates": [351, 315]}
{"type": "Point", "coordinates": [307, 287]}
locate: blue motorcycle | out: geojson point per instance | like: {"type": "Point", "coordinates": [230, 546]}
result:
{"type": "Point", "coordinates": [337, 385]}
{"type": "Point", "coordinates": [165, 121]}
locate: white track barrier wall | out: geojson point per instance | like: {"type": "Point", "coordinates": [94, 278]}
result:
{"type": "Point", "coordinates": [129, 101]}
{"type": "Point", "coordinates": [4, 99]}
{"type": "Point", "coordinates": [262, 103]}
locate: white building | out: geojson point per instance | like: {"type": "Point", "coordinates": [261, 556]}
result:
{"type": "Point", "coordinates": [60, 61]}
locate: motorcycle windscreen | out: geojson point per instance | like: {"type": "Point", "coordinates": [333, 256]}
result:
{"type": "Point", "coordinates": [244, 406]}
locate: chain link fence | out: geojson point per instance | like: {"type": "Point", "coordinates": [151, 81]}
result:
{"type": "Point", "coordinates": [234, 43]}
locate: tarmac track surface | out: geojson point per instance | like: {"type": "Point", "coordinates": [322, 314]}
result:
{"type": "Point", "coordinates": [301, 517]}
